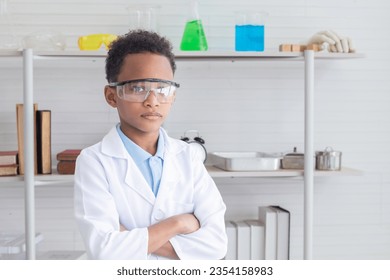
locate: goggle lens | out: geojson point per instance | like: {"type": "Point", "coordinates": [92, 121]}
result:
{"type": "Point", "coordinates": [139, 91]}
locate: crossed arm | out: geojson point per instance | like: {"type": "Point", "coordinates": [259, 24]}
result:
{"type": "Point", "coordinates": [160, 233]}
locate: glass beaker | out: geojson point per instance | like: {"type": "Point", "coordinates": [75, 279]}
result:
{"type": "Point", "coordinates": [143, 17]}
{"type": "Point", "coordinates": [194, 38]}
{"type": "Point", "coordinates": [9, 40]}
{"type": "Point", "coordinates": [249, 31]}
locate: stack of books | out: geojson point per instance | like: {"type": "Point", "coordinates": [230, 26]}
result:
{"type": "Point", "coordinates": [266, 238]}
{"type": "Point", "coordinates": [8, 163]}
{"type": "Point", "coordinates": [67, 161]}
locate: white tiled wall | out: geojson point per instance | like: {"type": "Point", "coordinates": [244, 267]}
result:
{"type": "Point", "coordinates": [236, 106]}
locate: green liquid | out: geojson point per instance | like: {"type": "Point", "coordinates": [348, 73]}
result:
{"type": "Point", "coordinates": [194, 38]}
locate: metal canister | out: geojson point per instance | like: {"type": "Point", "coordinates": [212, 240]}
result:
{"type": "Point", "coordinates": [328, 160]}
{"type": "Point", "coordinates": [293, 160]}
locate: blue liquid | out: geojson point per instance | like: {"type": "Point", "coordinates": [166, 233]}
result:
{"type": "Point", "coordinates": [250, 38]}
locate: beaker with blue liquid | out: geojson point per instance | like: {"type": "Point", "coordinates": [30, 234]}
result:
{"type": "Point", "coordinates": [249, 31]}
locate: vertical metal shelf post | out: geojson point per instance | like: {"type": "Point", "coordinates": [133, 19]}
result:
{"type": "Point", "coordinates": [309, 155]}
{"type": "Point", "coordinates": [28, 119]}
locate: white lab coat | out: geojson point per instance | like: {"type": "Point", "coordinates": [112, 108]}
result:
{"type": "Point", "coordinates": [110, 190]}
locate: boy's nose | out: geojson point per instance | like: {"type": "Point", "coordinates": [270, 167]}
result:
{"type": "Point", "coordinates": [151, 99]}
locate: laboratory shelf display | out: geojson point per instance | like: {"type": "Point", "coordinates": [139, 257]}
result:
{"type": "Point", "coordinates": [308, 57]}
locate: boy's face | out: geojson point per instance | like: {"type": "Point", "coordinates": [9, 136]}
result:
{"type": "Point", "coordinates": [138, 118]}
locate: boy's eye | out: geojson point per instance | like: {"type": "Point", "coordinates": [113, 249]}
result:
{"type": "Point", "coordinates": [137, 89]}
{"type": "Point", "coordinates": [164, 91]}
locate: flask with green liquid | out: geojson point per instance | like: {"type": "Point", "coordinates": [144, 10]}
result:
{"type": "Point", "coordinates": [194, 38]}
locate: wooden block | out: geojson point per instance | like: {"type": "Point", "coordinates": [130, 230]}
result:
{"type": "Point", "coordinates": [285, 48]}
{"type": "Point", "coordinates": [302, 48]}
{"type": "Point", "coordinates": [314, 47]}
{"type": "Point", "coordinates": [296, 48]}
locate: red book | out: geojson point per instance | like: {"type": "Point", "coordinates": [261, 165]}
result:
{"type": "Point", "coordinates": [7, 170]}
{"type": "Point", "coordinates": [8, 157]}
{"type": "Point", "coordinates": [66, 167]}
{"type": "Point", "coordinates": [68, 154]}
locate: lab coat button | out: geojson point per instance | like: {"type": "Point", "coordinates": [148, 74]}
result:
{"type": "Point", "coordinates": [159, 215]}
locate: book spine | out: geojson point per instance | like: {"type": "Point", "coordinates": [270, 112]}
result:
{"type": "Point", "coordinates": [43, 125]}
{"type": "Point", "coordinates": [20, 136]}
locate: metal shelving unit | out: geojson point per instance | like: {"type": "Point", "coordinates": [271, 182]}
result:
{"type": "Point", "coordinates": [308, 174]}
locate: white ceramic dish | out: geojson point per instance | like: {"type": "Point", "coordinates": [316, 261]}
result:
{"type": "Point", "coordinates": [245, 161]}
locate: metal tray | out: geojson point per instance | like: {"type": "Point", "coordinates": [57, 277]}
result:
{"type": "Point", "coordinates": [245, 161]}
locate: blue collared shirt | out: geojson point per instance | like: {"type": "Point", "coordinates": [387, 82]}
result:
{"type": "Point", "coordinates": [151, 166]}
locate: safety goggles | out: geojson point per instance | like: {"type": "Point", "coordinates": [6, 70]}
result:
{"type": "Point", "coordinates": [94, 41]}
{"type": "Point", "coordinates": [139, 90]}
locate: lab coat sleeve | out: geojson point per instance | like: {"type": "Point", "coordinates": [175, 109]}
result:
{"type": "Point", "coordinates": [98, 218]}
{"type": "Point", "coordinates": [210, 241]}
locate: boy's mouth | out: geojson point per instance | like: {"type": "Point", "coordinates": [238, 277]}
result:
{"type": "Point", "coordinates": [151, 115]}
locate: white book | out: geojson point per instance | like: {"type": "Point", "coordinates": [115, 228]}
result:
{"type": "Point", "coordinates": [231, 232]}
{"type": "Point", "coordinates": [243, 240]}
{"type": "Point", "coordinates": [283, 229]}
{"type": "Point", "coordinates": [267, 215]}
{"type": "Point", "coordinates": [257, 239]}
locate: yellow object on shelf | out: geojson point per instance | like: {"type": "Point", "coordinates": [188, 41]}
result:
{"type": "Point", "coordinates": [93, 42]}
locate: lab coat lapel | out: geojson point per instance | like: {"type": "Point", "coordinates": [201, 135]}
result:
{"type": "Point", "coordinates": [112, 145]}
{"type": "Point", "coordinates": [170, 175]}
{"type": "Point", "coordinates": [135, 180]}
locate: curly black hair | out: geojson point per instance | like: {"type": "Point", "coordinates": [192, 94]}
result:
{"type": "Point", "coordinates": [133, 42]}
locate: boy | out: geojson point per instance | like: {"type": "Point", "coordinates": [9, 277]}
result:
{"type": "Point", "coordinates": [140, 194]}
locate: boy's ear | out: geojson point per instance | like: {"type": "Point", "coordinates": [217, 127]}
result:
{"type": "Point", "coordinates": [110, 95]}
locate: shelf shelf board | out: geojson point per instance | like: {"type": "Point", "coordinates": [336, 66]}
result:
{"type": "Point", "coordinates": [10, 53]}
{"type": "Point", "coordinates": [327, 55]}
{"type": "Point", "coordinates": [184, 55]}
{"type": "Point", "coordinates": [213, 171]}
{"type": "Point", "coordinates": [235, 55]}
{"type": "Point", "coordinates": [219, 173]}
{"type": "Point", "coordinates": [70, 54]}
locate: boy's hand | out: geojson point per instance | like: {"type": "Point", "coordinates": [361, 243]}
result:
{"type": "Point", "coordinates": [160, 233]}
{"type": "Point", "coordinates": [188, 223]}
{"type": "Point", "coordinates": [122, 228]}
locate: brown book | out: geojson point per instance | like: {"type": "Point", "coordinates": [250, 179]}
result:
{"type": "Point", "coordinates": [44, 141]}
{"type": "Point", "coordinates": [8, 157]}
{"type": "Point", "coordinates": [70, 154]}
{"type": "Point", "coordinates": [66, 166]}
{"type": "Point", "coordinates": [20, 131]}
{"type": "Point", "coordinates": [8, 170]}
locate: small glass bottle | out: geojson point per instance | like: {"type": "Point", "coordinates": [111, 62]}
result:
{"type": "Point", "coordinates": [194, 38]}
{"type": "Point", "coordinates": [9, 42]}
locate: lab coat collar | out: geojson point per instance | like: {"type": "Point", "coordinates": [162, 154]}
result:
{"type": "Point", "coordinates": [113, 146]}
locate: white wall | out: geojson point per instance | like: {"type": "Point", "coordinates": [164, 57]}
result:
{"type": "Point", "coordinates": [236, 106]}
